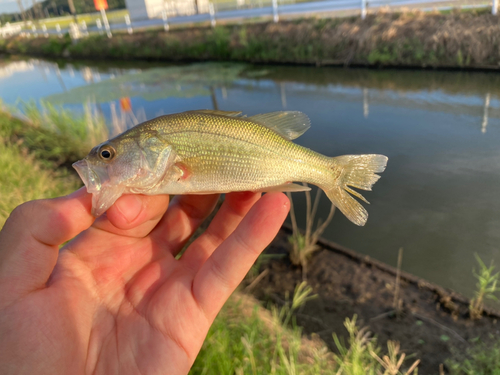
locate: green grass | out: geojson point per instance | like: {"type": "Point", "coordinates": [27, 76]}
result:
{"type": "Point", "coordinates": [247, 339]}
{"type": "Point", "coordinates": [23, 178]}
{"type": "Point", "coordinates": [486, 288]}
{"type": "Point", "coordinates": [53, 135]}
{"type": "Point", "coordinates": [32, 151]}
{"type": "Point", "coordinates": [362, 356]}
{"type": "Point", "coordinates": [480, 359]}
{"type": "Point", "coordinates": [89, 18]}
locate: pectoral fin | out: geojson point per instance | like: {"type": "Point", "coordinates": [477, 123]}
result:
{"type": "Point", "coordinates": [156, 161]}
{"type": "Point", "coordinates": [166, 160]}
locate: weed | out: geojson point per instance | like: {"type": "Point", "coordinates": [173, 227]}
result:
{"type": "Point", "coordinates": [55, 46]}
{"type": "Point", "coordinates": [254, 275]}
{"type": "Point", "coordinates": [23, 178]}
{"type": "Point", "coordinates": [393, 361]}
{"type": "Point", "coordinates": [354, 356]}
{"type": "Point", "coordinates": [361, 355]}
{"type": "Point", "coordinates": [304, 244]}
{"type": "Point", "coordinates": [243, 36]}
{"type": "Point", "coordinates": [218, 42]}
{"type": "Point", "coordinates": [460, 58]}
{"type": "Point", "coordinates": [53, 134]}
{"type": "Point", "coordinates": [486, 288]}
{"type": "Point", "coordinates": [397, 302]}
{"type": "Point", "coordinates": [246, 339]}
{"type": "Point", "coordinates": [382, 55]}
{"type": "Point", "coordinates": [321, 23]}
{"type": "Point", "coordinates": [482, 358]}
{"type": "Point", "coordinates": [301, 295]}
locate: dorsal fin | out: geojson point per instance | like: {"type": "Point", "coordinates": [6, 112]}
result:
{"type": "Point", "coordinates": [217, 112]}
{"type": "Point", "coordinates": [289, 124]}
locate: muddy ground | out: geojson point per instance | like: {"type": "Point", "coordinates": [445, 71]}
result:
{"type": "Point", "coordinates": [432, 321]}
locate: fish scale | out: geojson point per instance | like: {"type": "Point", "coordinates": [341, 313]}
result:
{"type": "Point", "coordinates": [245, 156]}
{"type": "Point", "coordinates": [203, 152]}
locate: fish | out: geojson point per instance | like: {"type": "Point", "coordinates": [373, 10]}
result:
{"type": "Point", "coordinates": [213, 151]}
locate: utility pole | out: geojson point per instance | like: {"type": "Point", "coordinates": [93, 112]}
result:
{"type": "Point", "coordinates": [33, 9]}
{"type": "Point", "coordinates": [23, 16]}
{"type": "Point", "coordinates": [36, 10]}
{"type": "Point", "coordinates": [72, 10]}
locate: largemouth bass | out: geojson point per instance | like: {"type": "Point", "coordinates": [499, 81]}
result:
{"type": "Point", "coordinates": [205, 152]}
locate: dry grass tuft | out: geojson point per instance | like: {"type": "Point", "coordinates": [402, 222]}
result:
{"type": "Point", "coordinates": [304, 243]}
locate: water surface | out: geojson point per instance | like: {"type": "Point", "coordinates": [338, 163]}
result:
{"type": "Point", "coordinates": [439, 197]}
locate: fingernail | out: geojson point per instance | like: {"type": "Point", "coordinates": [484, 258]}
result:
{"type": "Point", "coordinates": [130, 206]}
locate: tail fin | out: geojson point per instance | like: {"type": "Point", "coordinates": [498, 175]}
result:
{"type": "Point", "coordinates": [357, 171]}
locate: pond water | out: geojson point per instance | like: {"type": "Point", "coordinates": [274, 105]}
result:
{"type": "Point", "coordinates": [438, 198]}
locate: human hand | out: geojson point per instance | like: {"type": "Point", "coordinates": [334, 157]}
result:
{"type": "Point", "coordinates": [115, 300]}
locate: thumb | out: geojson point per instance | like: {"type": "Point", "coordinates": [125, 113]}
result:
{"type": "Point", "coordinates": [30, 240]}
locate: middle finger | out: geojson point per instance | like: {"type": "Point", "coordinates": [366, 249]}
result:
{"type": "Point", "coordinates": [184, 215]}
{"type": "Point", "coordinates": [232, 211]}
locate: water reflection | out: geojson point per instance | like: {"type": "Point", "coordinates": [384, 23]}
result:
{"type": "Point", "coordinates": [366, 107]}
{"type": "Point", "coordinates": [485, 114]}
{"type": "Point", "coordinates": [437, 198]}
{"type": "Point", "coordinates": [17, 67]}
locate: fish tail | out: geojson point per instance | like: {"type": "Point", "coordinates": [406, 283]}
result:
{"type": "Point", "coordinates": [357, 171]}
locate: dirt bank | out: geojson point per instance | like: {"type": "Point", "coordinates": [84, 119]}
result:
{"type": "Point", "coordinates": [433, 321]}
{"type": "Point", "coordinates": [415, 39]}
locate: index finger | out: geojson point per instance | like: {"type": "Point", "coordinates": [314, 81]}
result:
{"type": "Point", "coordinates": [227, 266]}
{"type": "Point", "coordinates": [30, 239]}
{"type": "Point", "coordinates": [184, 215]}
{"type": "Point", "coordinates": [133, 215]}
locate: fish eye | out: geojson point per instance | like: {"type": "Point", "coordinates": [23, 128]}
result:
{"type": "Point", "coordinates": [107, 153]}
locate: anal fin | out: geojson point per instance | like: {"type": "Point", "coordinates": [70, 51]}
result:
{"type": "Point", "coordinates": [284, 187]}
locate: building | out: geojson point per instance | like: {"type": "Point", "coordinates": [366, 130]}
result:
{"type": "Point", "coordinates": [145, 9]}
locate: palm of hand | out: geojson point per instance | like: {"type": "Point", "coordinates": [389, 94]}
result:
{"type": "Point", "coordinates": [118, 301]}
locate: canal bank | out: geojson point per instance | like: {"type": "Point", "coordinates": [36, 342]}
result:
{"type": "Point", "coordinates": [413, 39]}
{"type": "Point", "coordinates": [432, 324]}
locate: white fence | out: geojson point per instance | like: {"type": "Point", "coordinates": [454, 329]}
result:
{"type": "Point", "coordinates": [9, 30]}
{"type": "Point", "coordinates": [248, 9]}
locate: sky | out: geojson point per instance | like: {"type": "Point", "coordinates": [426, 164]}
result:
{"type": "Point", "coordinates": [10, 6]}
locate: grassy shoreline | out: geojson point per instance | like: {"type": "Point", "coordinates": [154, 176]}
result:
{"type": "Point", "coordinates": [245, 337]}
{"type": "Point", "coordinates": [414, 39]}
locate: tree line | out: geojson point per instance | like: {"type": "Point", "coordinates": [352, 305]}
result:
{"type": "Point", "coordinates": [55, 8]}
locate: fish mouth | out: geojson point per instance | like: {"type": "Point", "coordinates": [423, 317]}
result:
{"type": "Point", "coordinates": [88, 176]}
{"type": "Point", "coordinates": [103, 194]}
